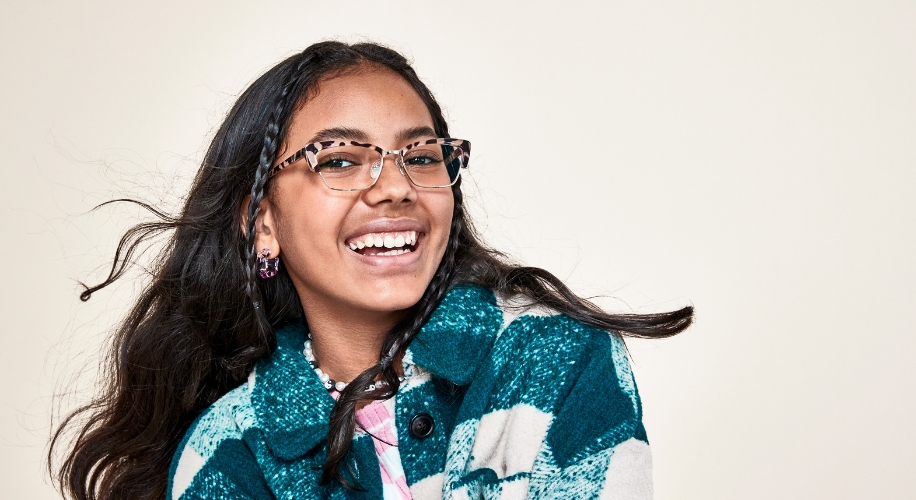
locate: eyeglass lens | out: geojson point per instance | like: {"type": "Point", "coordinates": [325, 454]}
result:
{"type": "Point", "coordinates": [356, 167]}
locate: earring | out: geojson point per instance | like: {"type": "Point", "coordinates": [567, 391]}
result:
{"type": "Point", "coordinates": [267, 267]}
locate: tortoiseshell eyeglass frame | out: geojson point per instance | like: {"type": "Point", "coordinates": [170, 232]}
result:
{"type": "Point", "coordinates": [310, 153]}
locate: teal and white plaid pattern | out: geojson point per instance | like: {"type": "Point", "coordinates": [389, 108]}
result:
{"type": "Point", "coordinates": [526, 404]}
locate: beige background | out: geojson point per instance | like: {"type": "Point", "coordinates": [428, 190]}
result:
{"type": "Point", "coordinates": [756, 159]}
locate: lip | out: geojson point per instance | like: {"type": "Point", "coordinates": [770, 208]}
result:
{"type": "Point", "coordinates": [389, 226]}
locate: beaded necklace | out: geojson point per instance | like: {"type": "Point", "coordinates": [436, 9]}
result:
{"type": "Point", "coordinates": [329, 383]}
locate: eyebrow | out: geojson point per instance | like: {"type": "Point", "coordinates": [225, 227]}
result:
{"type": "Point", "coordinates": [355, 134]}
{"type": "Point", "coordinates": [335, 133]}
{"type": "Point", "coordinates": [415, 133]}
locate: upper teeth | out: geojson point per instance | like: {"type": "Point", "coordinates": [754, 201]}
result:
{"type": "Point", "coordinates": [387, 240]}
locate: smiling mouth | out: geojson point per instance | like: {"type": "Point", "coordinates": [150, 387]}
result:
{"type": "Point", "coordinates": [384, 244]}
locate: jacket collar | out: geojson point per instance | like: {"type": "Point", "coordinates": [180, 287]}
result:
{"type": "Point", "coordinates": [292, 407]}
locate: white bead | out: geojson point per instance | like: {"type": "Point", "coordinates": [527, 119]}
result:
{"type": "Point", "coordinates": [340, 386]}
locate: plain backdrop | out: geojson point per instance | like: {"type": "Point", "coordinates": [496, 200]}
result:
{"type": "Point", "coordinates": [754, 159]}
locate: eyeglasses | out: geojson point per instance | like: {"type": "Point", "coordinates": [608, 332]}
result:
{"type": "Point", "coordinates": [354, 166]}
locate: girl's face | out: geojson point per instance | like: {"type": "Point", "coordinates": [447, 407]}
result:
{"type": "Point", "coordinates": [312, 227]}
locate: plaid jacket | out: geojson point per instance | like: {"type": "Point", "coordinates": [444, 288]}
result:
{"type": "Point", "coordinates": [523, 404]}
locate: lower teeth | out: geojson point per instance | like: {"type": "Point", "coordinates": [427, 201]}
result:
{"type": "Point", "coordinates": [394, 252]}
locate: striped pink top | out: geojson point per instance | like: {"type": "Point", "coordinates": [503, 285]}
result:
{"type": "Point", "coordinates": [377, 420]}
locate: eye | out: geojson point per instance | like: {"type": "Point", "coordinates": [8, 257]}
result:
{"type": "Point", "coordinates": [335, 163]}
{"type": "Point", "coordinates": [420, 160]}
{"type": "Point", "coordinates": [423, 158]}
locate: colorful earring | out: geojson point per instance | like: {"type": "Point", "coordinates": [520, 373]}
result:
{"type": "Point", "coordinates": [267, 267]}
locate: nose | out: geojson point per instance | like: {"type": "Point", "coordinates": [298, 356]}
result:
{"type": "Point", "coordinates": [391, 182]}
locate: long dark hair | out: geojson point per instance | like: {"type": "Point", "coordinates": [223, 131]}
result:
{"type": "Point", "coordinates": [205, 318]}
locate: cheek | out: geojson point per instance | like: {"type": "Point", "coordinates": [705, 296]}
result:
{"type": "Point", "coordinates": [308, 220]}
{"type": "Point", "coordinates": [441, 209]}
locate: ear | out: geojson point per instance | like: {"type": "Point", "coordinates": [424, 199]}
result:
{"type": "Point", "coordinates": [265, 226]}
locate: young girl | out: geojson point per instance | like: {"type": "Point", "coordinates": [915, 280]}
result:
{"type": "Point", "coordinates": [325, 323]}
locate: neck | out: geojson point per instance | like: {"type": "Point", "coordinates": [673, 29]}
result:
{"type": "Point", "coordinates": [346, 343]}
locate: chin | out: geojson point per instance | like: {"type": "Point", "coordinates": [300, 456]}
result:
{"type": "Point", "coordinates": [391, 298]}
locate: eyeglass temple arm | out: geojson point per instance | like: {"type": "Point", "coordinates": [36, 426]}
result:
{"type": "Point", "coordinates": [455, 153]}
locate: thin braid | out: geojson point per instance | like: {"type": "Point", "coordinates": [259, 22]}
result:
{"type": "Point", "coordinates": [343, 416]}
{"type": "Point", "coordinates": [438, 287]}
{"type": "Point", "coordinates": [269, 149]}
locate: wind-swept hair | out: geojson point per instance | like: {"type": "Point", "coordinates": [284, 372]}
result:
{"type": "Point", "coordinates": [205, 318]}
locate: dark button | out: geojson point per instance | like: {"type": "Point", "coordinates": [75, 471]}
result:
{"type": "Point", "coordinates": [421, 425]}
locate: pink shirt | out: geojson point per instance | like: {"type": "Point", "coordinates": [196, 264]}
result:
{"type": "Point", "coordinates": [377, 419]}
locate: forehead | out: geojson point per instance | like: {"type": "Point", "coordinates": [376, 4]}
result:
{"type": "Point", "coordinates": [376, 101]}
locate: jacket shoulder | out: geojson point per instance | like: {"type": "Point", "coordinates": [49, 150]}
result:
{"type": "Point", "coordinates": [553, 413]}
{"type": "Point", "coordinates": [576, 376]}
{"type": "Point", "coordinates": [532, 326]}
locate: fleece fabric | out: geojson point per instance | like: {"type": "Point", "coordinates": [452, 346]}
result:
{"type": "Point", "coordinates": [524, 403]}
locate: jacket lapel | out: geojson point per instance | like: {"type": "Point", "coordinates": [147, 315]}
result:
{"type": "Point", "coordinates": [291, 405]}
{"type": "Point", "coordinates": [457, 339]}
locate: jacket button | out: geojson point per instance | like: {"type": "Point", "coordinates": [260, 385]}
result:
{"type": "Point", "coordinates": [421, 425]}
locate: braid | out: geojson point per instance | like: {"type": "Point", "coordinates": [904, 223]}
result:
{"type": "Point", "coordinates": [343, 416]}
{"type": "Point", "coordinates": [435, 292]}
{"type": "Point", "coordinates": [438, 287]}
{"type": "Point", "coordinates": [271, 144]}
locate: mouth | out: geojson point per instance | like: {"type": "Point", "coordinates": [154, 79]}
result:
{"type": "Point", "coordinates": [385, 244]}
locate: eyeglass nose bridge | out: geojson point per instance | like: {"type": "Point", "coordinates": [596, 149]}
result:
{"type": "Point", "coordinates": [375, 171]}
{"type": "Point", "coordinates": [398, 160]}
